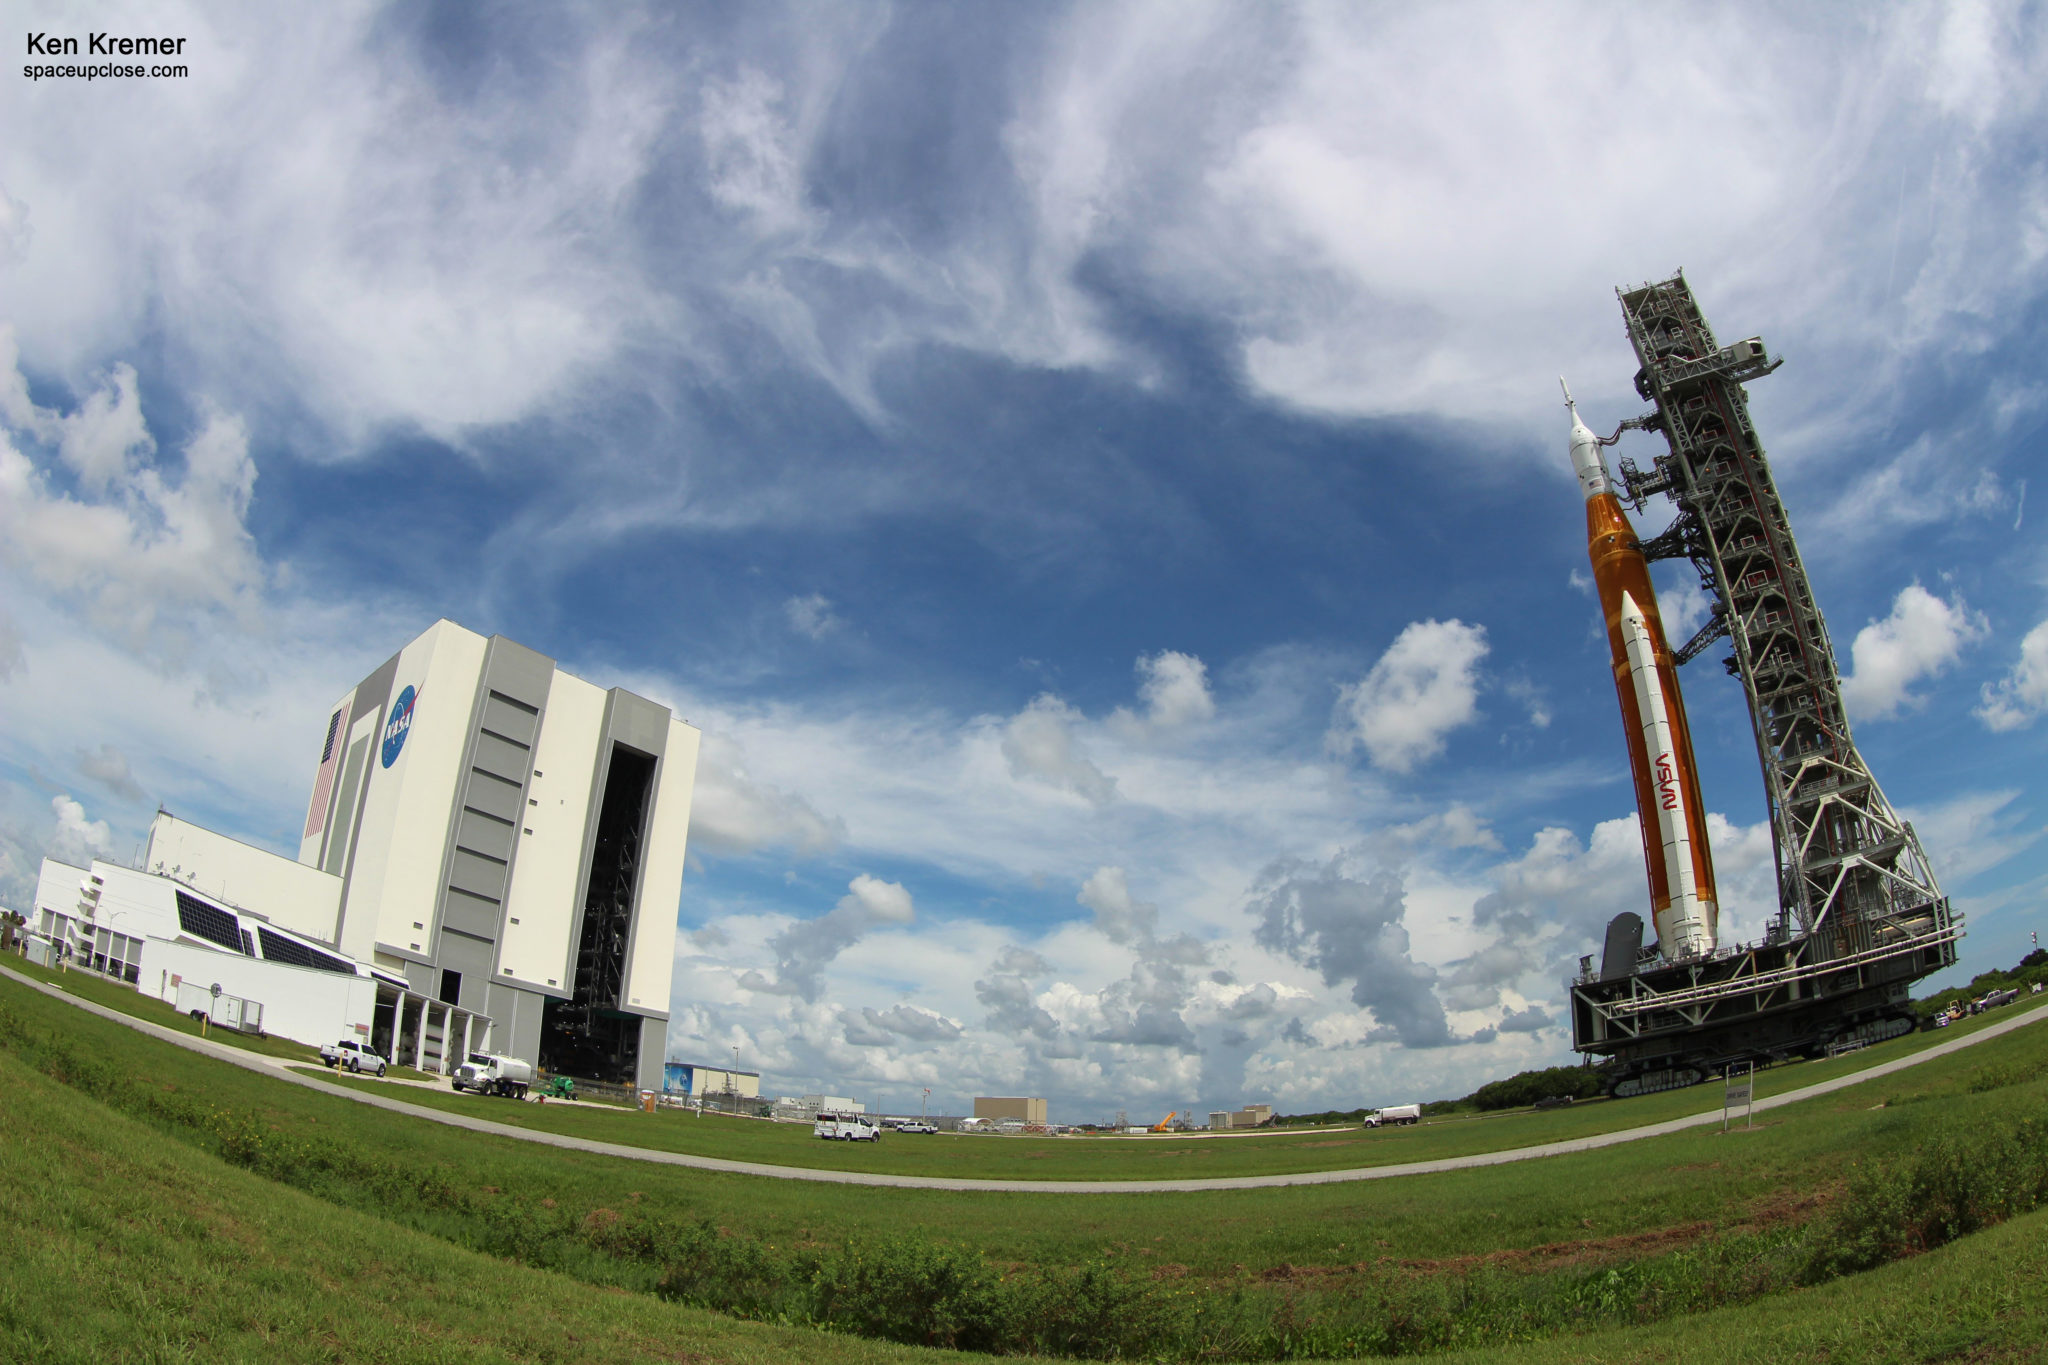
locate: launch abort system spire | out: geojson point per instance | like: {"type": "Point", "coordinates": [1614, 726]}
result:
{"type": "Point", "coordinates": [1860, 915]}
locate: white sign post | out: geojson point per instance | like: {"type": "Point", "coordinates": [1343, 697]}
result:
{"type": "Point", "coordinates": [1738, 1093]}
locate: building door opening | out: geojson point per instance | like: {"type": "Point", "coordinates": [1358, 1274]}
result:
{"type": "Point", "coordinates": [589, 1035]}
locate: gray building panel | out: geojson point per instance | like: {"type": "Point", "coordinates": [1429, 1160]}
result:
{"type": "Point", "coordinates": [635, 722]}
{"type": "Point", "coordinates": [486, 834]}
{"type": "Point", "coordinates": [372, 698]}
{"type": "Point", "coordinates": [477, 875]}
{"type": "Point", "coordinates": [472, 915]}
{"type": "Point", "coordinates": [493, 795]}
{"type": "Point", "coordinates": [504, 758]}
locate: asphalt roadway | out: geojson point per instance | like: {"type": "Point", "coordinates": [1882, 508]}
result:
{"type": "Point", "coordinates": [280, 1068]}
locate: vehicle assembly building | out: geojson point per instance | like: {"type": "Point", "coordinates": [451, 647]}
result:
{"type": "Point", "coordinates": [499, 843]}
{"type": "Point", "coordinates": [498, 826]}
{"type": "Point", "coordinates": [1860, 916]}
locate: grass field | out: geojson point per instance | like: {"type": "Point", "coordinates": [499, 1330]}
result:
{"type": "Point", "coordinates": [1076, 1158]}
{"type": "Point", "coordinates": [1697, 1179]}
{"type": "Point", "coordinates": [1108, 1158]}
{"type": "Point", "coordinates": [126, 1246]}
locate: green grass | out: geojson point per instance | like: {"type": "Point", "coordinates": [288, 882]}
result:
{"type": "Point", "coordinates": [125, 999]}
{"type": "Point", "coordinates": [1599, 1203]}
{"type": "Point", "coordinates": [1152, 1158]}
{"type": "Point", "coordinates": [125, 1246]}
{"type": "Point", "coordinates": [1074, 1158]}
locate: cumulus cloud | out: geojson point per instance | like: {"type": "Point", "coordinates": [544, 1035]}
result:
{"type": "Point", "coordinates": [1531, 1019]}
{"type": "Point", "coordinates": [882, 1028]}
{"type": "Point", "coordinates": [1344, 920]}
{"type": "Point", "coordinates": [1121, 918]}
{"type": "Point", "coordinates": [144, 546]}
{"type": "Point", "coordinates": [1039, 744]}
{"type": "Point", "coordinates": [803, 950]}
{"type": "Point", "coordinates": [1425, 686]}
{"type": "Point", "coordinates": [1174, 688]}
{"type": "Point", "coordinates": [75, 840]}
{"type": "Point", "coordinates": [2022, 694]}
{"type": "Point", "coordinates": [733, 812]}
{"type": "Point", "coordinates": [1921, 638]}
{"type": "Point", "coordinates": [811, 615]}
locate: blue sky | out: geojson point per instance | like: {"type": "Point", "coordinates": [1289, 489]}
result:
{"type": "Point", "coordinates": [1095, 474]}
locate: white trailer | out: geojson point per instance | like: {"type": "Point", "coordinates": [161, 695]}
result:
{"type": "Point", "coordinates": [225, 1011]}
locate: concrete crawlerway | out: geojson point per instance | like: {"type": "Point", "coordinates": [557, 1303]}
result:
{"type": "Point", "coordinates": [280, 1068]}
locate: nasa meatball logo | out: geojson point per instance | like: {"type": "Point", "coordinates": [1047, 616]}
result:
{"type": "Point", "coordinates": [396, 728]}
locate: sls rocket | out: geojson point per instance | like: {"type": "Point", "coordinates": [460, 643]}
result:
{"type": "Point", "coordinates": [1675, 852]}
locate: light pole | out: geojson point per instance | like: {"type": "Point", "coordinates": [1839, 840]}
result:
{"type": "Point", "coordinates": [924, 1104]}
{"type": "Point", "coordinates": [733, 1077]}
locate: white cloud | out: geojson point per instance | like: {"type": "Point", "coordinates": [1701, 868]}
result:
{"type": "Point", "coordinates": [2022, 694]}
{"type": "Point", "coordinates": [752, 151]}
{"type": "Point", "coordinates": [144, 549]}
{"type": "Point", "coordinates": [76, 840]}
{"type": "Point", "coordinates": [1039, 744]}
{"type": "Point", "coordinates": [1972, 833]}
{"type": "Point", "coordinates": [733, 812]}
{"type": "Point", "coordinates": [804, 949]}
{"type": "Point", "coordinates": [811, 615]}
{"type": "Point", "coordinates": [1120, 918]}
{"type": "Point", "coordinates": [1922, 637]}
{"type": "Point", "coordinates": [1174, 688]}
{"type": "Point", "coordinates": [1425, 686]}
{"type": "Point", "coordinates": [1345, 920]}
{"type": "Point", "coordinates": [109, 767]}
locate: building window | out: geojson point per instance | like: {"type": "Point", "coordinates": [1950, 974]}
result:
{"type": "Point", "coordinates": [451, 986]}
{"type": "Point", "coordinates": [209, 922]}
{"type": "Point", "coordinates": [278, 948]}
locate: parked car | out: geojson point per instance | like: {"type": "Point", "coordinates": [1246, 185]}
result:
{"type": "Point", "coordinates": [350, 1055]}
{"type": "Point", "coordinates": [916, 1126]}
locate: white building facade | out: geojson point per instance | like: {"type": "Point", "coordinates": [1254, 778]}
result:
{"type": "Point", "coordinates": [510, 839]}
{"type": "Point", "coordinates": [495, 845]}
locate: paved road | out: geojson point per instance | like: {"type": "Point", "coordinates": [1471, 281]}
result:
{"type": "Point", "coordinates": [278, 1067]}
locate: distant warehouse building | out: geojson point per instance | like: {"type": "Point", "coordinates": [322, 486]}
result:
{"type": "Point", "coordinates": [710, 1084]}
{"type": "Point", "coordinates": [1251, 1116]}
{"type": "Point", "coordinates": [1026, 1110]}
{"type": "Point", "coordinates": [498, 844]}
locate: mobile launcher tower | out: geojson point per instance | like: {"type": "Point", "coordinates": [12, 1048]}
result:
{"type": "Point", "coordinates": [1860, 916]}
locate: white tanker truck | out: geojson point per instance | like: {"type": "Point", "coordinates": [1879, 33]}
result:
{"type": "Point", "coordinates": [487, 1073]}
{"type": "Point", "coordinates": [1394, 1114]}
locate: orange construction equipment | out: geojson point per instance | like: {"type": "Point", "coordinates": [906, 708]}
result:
{"type": "Point", "coordinates": [1161, 1126]}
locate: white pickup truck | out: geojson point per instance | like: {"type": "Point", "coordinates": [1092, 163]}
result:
{"type": "Point", "coordinates": [846, 1128]}
{"type": "Point", "coordinates": [488, 1073]}
{"type": "Point", "coordinates": [350, 1055]}
{"type": "Point", "coordinates": [1394, 1114]}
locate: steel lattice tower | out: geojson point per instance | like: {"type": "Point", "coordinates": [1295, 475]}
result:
{"type": "Point", "coordinates": [1849, 869]}
{"type": "Point", "coordinates": [1860, 914]}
